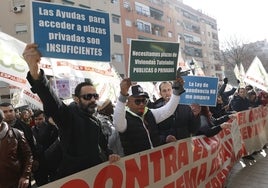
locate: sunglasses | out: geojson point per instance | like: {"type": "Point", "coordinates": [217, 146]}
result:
{"type": "Point", "coordinates": [139, 101]}
{"type": "Point", "coordinates": [89, 96]}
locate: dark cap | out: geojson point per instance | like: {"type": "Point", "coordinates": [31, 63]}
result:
{"type": "Point", "coordinates": [136, 91]}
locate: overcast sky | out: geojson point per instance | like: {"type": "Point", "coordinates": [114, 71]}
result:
{"type": "Point", "coordinates": [243, 19]}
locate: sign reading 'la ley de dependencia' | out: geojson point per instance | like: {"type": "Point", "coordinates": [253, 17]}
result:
{"type": "Point", "coordinates": [153, 61]}
{"type": "Point", "coordinates": [71, 33]}
{"type": "Point", "coordinates": [200, 90]}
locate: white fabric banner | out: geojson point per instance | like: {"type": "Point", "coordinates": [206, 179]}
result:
{"type": "Point", "coordinates": [256, 75]}
{"type": "Point", "coordinates": [198, 162]}
{"type": "Point", "coordinates": [13, 70]}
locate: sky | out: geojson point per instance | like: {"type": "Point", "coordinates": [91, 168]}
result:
{"type": "Point", "coordinates": [242, 19]}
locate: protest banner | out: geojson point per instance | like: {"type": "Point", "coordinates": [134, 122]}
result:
{"type": "Point", "coordinates": [199, 162]}
{"type": "Point", "coordinates": [153, 60]}
{"type": "Point", "coordinates": [67, 32]}
{"type": "Point", "coordinates": [200, 90]}
{"type": "Point", "coordinates": [13, 70]}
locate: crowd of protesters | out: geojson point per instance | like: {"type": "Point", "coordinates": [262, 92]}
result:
{"type": "Point", "coordinates": [64, 139]}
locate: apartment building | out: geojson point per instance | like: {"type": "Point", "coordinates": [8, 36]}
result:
{"type": "Point", "coordinates": [164, 20]}
{"type": "Point", "coordinates": [171, 20]}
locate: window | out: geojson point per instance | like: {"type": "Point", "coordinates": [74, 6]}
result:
{"type": "Point", "coordinates": [67, 2]}
{"type": "Point", "coordinates": [117, 38]}
{"type": "Point", "coordinates": [170, 34]}
{"type": "Point", "coordinates": [142, 9]}
{"type": "Point", "coordinates": [129, 40]}
{"type": "Point", "coordinates": [115, 19]}
{"type": "Point", "coordinates": [114, 1]}
{"type": "Point", "coordinates": [169, 19]}
{"type": "Point", "coordinates": [128, 23]}
{"type": "Point", "coordinates": [118, 57]}
{"type": "Point", "coordinates": [143, 26]}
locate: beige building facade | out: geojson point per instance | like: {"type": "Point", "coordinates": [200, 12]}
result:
{"type": "Point", "coordinates": [164, 20]}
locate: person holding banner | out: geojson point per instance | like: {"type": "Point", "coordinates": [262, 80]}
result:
{"type": "Point", "coordinates": [240, 102]}
{"type": "Point", "coordinates": [211, 126]}
{"type": "Point", "coordinates": [225, 95]}
{"type": "Point", "coordinates": [183, 123]}
{"type": "Point", "coordinates": [136, 123]}
{"type": "Point", "coordinates": [82, 142]}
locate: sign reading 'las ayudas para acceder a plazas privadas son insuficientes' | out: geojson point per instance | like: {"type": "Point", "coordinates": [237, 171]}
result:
{"type": "Point", "coordinates": [67, 32]}
{"type": "Point", "coordinates": [153, 60]}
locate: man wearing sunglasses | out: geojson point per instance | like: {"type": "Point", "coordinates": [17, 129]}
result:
{"type": "Point", "coordinates": [137, 124]}
{"type": "Point", "coordinates": [82, 142]}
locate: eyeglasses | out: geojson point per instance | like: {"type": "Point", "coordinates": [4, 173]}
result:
{"type": "Point", "coordinates": [139, 101]}
{"type": "Point", "coordinates": [89, 96]}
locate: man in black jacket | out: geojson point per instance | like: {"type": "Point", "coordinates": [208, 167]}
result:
{"type": "Point", "coordinates": [185, 121]}
{"type": "Point", "coordinates": [82, 141]}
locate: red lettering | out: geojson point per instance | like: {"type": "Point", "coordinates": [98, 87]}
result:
{"type": "Point", "coordinates": [75, 183]}
{"type": "Point", "coordinates": [190, 177]}
{"type": "Point", "coordinates": [200, 151]}
{"type": "Point", "coordinates": [222, 175]}
{"type": "Point", "coordinates": [227, 148]}
{"type": "Point", "coordinates": [213, 143]}
{"type": "Point", "coordinates": [180, 182]}
{"type": "Point", "coordinates": [215, 183]}
{"type": "Point", "coordinates": [109, 172]}
{"type": "Point", "coordinates": [183, 155]}
{"type": "Point", "coordinates": [134, 172]}
{"type": "Point", "coordinates": [202, 173]}
{"type": "Point", "coordinates": [170, 160]}
{"type": "Point", "coordinates": [241, 118]}
{"type": "Point", "coordinates": [155, 158]}
{"type": "Point", "coordinates": [244, 133]}
{"type": "Point", "coordinates": [170, 185]}
{"type": "Point", "coordinates": [215, 165]}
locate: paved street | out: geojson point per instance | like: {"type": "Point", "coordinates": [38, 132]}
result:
{"type": "Point", "coordinates": [248, 174]}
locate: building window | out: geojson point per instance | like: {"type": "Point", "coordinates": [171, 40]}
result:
{"type": "Point", "coordinates": [117, 38]}
{"type": "Point", "coordinates": [21, 28]}
{"type": "Point", "coordinates": [169, 19]}
{"type": "Point", "coordinates": [170, 34]}
{"type": "Point", "coordinates": [118, 58]}
{"type": "Point", "coordinates": [128, 23]}
{"type": "Point", "coordinates": [67, 2]}
{"type": "Point", "coordinates": [142, 9]}
{"type": "Point", "coordinates": [129, 40]}
{"type": "Point", "coordinates": [114, 1]}
{"type": "Point", "coordinates": [115, 19]}
{"type": "Point", "coordinates": [143, 26]}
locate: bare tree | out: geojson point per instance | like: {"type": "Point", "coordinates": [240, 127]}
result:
{"type": "Point", "coordinates": [236, 51]}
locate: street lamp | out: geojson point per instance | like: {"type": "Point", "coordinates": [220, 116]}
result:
{"type": "Point", "coordinates": [192, 67]}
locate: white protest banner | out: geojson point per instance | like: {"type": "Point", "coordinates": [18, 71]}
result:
{"type": "Point", "coordinates": [13, 70]}
{"type": "Point", "coordinates": [199, 162]}
{"type": "Point", "coordinates": [256, 75]}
